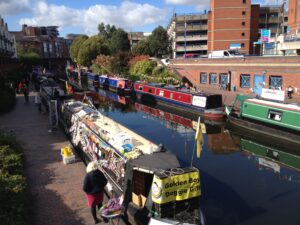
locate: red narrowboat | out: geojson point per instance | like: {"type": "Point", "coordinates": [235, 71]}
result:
{"type": "Point", "coordinates": [208, 105]}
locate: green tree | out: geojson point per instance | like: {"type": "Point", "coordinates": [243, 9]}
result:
{"type": "Point", "coordinates": [159, 42]}
{"type": "Point", "coordinates": [106, 31]}
{"type": "Point", "coordinates": [142, 48]}
{"type": "Point", "coordinates": [119, 41]}
{"type": "Point", "coordinates": [119, 64]}
{"type": "Point", "coordinates": [142, 68]}
{"type": "Point", "coordinates": [90, 49]}
{"type": "Point", "coordinates": [75, 46]}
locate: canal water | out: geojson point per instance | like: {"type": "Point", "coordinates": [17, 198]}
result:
{"type": "Point", "coordinates": [242, 180]}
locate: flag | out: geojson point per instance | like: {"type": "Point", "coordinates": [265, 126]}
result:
{"type": "Point", "coordinates": [199, 138]}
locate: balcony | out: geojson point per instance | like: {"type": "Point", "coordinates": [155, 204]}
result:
{"type": "Point", "coordinates": [191, 17]}
{"type": "Point", "coordinates": [191, 28]}
{"type": "Point", "coordinates": [191, 48]}
{"type": "Point", "coordinates": [192, 38]}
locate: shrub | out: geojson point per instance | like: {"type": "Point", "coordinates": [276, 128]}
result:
{"type": "Point", "coordinates": [7, 99]}
{"type": "Point", "coordinates": [13, 188]}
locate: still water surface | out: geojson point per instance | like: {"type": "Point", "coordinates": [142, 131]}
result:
{"type": "Point", "coordinates": [238, 186]}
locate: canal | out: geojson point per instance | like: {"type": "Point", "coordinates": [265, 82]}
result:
{"type": "Point", "coordinates": [242, 180]}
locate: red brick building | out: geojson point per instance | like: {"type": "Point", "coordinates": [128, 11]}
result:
{"type": "Point", "coordinates": [229, 23]}
{"type": "Point", "coordinates": [246, 75]}
{"type": "Point", "coordinates": [294, 16]}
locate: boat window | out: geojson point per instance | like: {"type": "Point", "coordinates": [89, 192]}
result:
{"type": "Point", "coordinates": [140, 88]}
{"type": "Point", "coordinates": [150, 90]}
{"type": "Point", "coordinates": [171, 95]}
{"type": "Point", "coordinates": [275, 115]}
{"type": "Point", "coordinates": [161, 93]}
{"type": "Point", "coordinates": [203, 78]}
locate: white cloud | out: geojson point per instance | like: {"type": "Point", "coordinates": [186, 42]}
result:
{"type": "Point", "coordinates": [127, 16]}
{"type": "Point", "coordinates": [14, 7]}
{"type": "Point", "coordinates": [199, 4]}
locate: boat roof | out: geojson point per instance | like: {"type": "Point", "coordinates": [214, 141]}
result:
{"type": "Point", "coordinates": [156, 161]}
{"type": "Point", "coordinates": [274, 104]}
{"type": "Point", "coordinates": [178, 89]}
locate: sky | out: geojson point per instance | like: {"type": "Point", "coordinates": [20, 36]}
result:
{"type": "Point", "coordinates": [83, 16]}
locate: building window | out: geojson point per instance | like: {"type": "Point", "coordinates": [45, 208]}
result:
{"type": "Point", "coordinates": [244, 13]}
{"type": "Point", "coordinates": [223, 80]}
{"type": "Point", "coordinates": [243, 23]}
{"type": "Point", "coordinates": [242, 45]}
{"type": "Point", "coordinates": [243, 34]}
{"type": "Point", "coordinates": [244, 1]}
{"type": "Point", "coordinates": [213, 78]}
{"type": "Point", "coordinates": [276, 82]}
{"type": "Point", "coordinates": [203, 78]}
{"type": "Point", "coordinates": [245, 81]}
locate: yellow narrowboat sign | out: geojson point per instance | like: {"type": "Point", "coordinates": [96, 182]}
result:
{"type": "Point", "coordinates": [176, 188]}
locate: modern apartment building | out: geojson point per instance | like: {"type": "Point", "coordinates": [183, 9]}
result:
{"type": "Point", "coordinates": [135, 37]}
{"type": "Point", "coordinates": [294, 16]}
{"type": "Point", "coordinates": [229, 24]}
{"type": "Point", "coordinates": [272, 18]}
{"type": "Point", "coordinates": [188, 34]}
{"type": "Point", "coordinates": [7, 41]}
{"type": "Point", "coordinates": [43, 40]}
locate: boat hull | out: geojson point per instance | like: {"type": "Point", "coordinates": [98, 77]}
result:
{"type": "Point", "coordinates": [269, 135]}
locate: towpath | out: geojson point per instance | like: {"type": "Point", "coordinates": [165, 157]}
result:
{"type": "Point", "coordinates": [57, 196]}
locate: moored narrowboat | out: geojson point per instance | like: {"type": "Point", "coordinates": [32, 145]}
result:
{"type": "Point", "coordinates": [208, 105]}
{"type": "Point", "coordinates": [154, 185]}
{"type": "Point", "coordinates": [120, 85]}
{"type": "Point", "coordinates": [93, 80]}
{"type": "Point", "coordinates": [273, 119]}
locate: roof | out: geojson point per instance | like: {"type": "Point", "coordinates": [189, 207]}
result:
{"type": "Point", "coordinates": [156, 161]}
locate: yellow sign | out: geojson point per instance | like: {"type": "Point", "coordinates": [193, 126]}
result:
{"type": "Point", "coordinates": [176, 188]}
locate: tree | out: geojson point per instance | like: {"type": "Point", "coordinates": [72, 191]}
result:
{"type": "Point", "coordinates": [90, 49]}
{"type": "Point", "coordinates": [119, 41]}
{"type": "Point", "coordinates": [106, 31]}
{"type": "Point", "coordinates": [119, 65]}
{"type": "Point", "coordinates": [142, 48]}
{"type": "Point", "coordinates": [159, 42]}
{"type": "Point", "coordinates": [75, 46]}
{"type": "Point", "coordinates": [142, 68]}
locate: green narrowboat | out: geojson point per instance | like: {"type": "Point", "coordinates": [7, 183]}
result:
{"type": "Point", "coordinates": [273, 119]}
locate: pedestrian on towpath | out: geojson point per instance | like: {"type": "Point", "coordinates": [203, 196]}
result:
{"type": "Point", "coordinates": [290, 92]}
{"type": "Point", "coordinates": [93, 186]}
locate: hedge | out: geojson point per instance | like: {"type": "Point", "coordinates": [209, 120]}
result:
{"type": "Point", "coordinates": [7, 99]}
{"type": "Point", "coordinates": [14, 195]}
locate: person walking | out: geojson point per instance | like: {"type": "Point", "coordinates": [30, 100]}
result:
{"type": "Point", "coordinates": [38, 101]}
{"type": "Point", "coordinates": [26, 93]}
{"type": "Point", "coordinates": [93, 186]}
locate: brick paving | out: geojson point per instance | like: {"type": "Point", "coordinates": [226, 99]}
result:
{"type": "Point", "coordinates": [56, 189]}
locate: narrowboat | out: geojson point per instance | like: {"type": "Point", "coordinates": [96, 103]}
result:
{"type": "Point", "coordinates": [208, 105]}
{"type": "Point", "coordinates": [120, 85]}
{"type": "Point", "coordinates": [151, 180]}
{"type": "Point", "coordinates": [103, 82]}
{"type": "Point", "coordinates": [274, 120]}
{"type": "Point", "coordinates": [92, 79]}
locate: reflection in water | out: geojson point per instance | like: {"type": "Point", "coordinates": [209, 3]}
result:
{"type": "Point", "coordinates": [234, 189]}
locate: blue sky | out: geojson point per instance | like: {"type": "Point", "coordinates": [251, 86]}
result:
{"type": "Point", "coordinates": [83, 16]}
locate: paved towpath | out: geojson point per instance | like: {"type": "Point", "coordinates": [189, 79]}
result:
{"type": "Point", "coordinates": [57, 196]}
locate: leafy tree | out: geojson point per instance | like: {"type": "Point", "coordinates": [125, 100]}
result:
{"type": "Point", "coordinates": [106, 31]}
{"type": "Point", "coordinates": [119, 65]}
{"type": "Point", "coordinates": [137, 58]}
{"type": "Point", "coordinates": [142, 68]}
{"type": "Point", "coordinates": [142, 48]}
{"type": "Point", "coordinates": [75, 46]}
{"type": "Point", "coordinates": [159, 42]}
{"type": "Point", "coordinates": [90, 49]}
{"type": "Point", "coordinates": [104, 62]}
{"type": "Point", "coordinates": [119, 41]}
